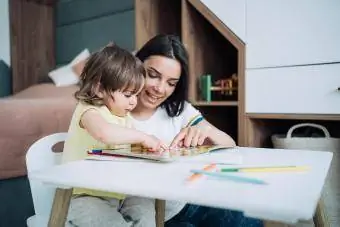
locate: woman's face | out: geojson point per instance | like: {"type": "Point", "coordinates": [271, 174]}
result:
{"type": "Point", "coordinates": [163, 76]}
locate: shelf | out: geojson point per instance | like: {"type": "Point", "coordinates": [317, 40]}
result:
{"type": "Point", "coordinates": [221, 117]}
{"type": "Point", "coordinates": [210, 52]}
{"type": "Point", "coordinates": [212, 48]}
{"type": "Point", "coordinates": [329, 117]}
{"type": "Point", "coordinates": [216, 103]}
{"type": "Point", "coordinates": [260, 130]}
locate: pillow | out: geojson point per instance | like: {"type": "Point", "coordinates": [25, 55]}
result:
{"type": "Point", "coordinates": [65, 75]}
{"type": "Point", "coordinates": [80, 57]}
{"type": "Point", "coordinates": [78, 68]}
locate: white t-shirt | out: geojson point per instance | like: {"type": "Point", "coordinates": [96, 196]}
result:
{"type": "Point", "coordinates": [166, 128]}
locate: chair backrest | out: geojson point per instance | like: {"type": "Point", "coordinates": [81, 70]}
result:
{"type": "Point", "coordinates": [40, 156]}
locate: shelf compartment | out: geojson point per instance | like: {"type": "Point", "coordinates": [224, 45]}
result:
{"type": "Point", "coordinates": [259, 131]}
{"type": "Point", "coordinates": [210, 52]}
{"type": "Point", "coordinates": [221, 117]}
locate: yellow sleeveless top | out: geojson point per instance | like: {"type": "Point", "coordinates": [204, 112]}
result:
{"type": "Point", "coordinates": [79, 141]}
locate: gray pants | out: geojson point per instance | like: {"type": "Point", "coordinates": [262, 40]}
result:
{"type": "Point", "coordinates": [140, 210]}
{"type": "Point", "coordinates": [88, 211]}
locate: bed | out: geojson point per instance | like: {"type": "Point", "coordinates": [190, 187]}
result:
{"type": "Point", "coordinates": [43, 100]}
{"type": "Point", "coordinates": [28, 115]}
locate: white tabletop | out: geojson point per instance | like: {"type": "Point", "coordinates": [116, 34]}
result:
{"type": "Point", "coordinates": [288, 197]}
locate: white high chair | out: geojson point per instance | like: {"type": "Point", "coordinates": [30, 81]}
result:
{"type": "Point", "coordinates": [38, 157]}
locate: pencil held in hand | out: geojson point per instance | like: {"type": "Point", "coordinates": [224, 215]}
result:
{"type": "Point", "coordinates": [196, 176]}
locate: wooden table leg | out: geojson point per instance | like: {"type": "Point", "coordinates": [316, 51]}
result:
{"type": "Point", "coordinates": [320, 219]}
{"type": "Point", "coordinates": [299, 224]}
{"type": "Point", "coordinates": [274, 224]}
{"type": "Point", "coordinates": [60, 207]}
{"type": "Point", "coordinates": [160, 212]}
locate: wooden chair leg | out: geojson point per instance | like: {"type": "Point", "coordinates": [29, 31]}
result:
{"type": "Point", "coordinates": [60, 207]}
{"type": "Point", "coordinates": [160, 212]}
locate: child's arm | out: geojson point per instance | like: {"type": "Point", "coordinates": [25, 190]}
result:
{"type": "Point", "coordinates": [109, 133]}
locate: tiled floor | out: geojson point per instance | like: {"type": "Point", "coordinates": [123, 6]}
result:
{"type": "Point", "coordinates": [15, 202]}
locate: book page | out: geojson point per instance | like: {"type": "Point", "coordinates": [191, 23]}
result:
{"type": "Point", "coordinates": [178, 154]}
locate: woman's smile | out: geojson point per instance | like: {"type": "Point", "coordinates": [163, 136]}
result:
{"type": "Point", "coordinates": [153, 98]}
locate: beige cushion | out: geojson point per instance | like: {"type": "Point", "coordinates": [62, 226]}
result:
{"type": "Point", "coordinates": [69, 74]}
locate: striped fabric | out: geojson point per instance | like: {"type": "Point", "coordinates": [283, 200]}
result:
{"type": "Point", "coordinates": [195, 120]}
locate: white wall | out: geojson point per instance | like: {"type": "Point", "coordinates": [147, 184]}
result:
{"type": "Point", "coordinates": [4, 32]}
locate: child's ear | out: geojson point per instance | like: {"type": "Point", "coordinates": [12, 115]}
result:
{"type": "Point", "coordinates": [98, 91]}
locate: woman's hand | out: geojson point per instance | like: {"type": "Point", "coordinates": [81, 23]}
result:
{"type": "Point", "coordinates": [191, 136]}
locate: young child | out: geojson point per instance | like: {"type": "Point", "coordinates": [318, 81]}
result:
{"type": "Point", "coordinates": [110, 82]}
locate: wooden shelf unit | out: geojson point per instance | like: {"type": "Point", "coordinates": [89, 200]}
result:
{"type": "Point", "coordinates": [216, 103]}
{"type": "Point", "coordinates": [213, 49]}
{"type": "Point", "coordinates": [210, 52]}
{"type": "Point", "coordinates": [154, 17]}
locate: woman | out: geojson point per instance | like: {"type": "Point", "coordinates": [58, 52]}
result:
{"type": "Point", "coordinates": [163, 111]}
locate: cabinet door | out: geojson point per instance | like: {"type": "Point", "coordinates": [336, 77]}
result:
{"type": "Point", "coordinates": [292, 32]}
{"type": "Point", "coordinates": [296, 90]}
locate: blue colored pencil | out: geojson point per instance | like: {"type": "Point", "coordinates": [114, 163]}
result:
{"type": "Point", "coordinates": [230, 177]}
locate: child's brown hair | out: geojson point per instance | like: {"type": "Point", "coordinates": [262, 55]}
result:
{"type": "Point", "coordinates": [110, 69]}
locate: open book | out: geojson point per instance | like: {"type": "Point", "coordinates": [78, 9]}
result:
{"type": "Point", "coordinates": [140, 153]}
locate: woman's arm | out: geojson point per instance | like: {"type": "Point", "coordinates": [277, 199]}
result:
{"type": "Point", "coordinates": [217, 136]}
{"type": "Point", "coordinates": [109, 133]}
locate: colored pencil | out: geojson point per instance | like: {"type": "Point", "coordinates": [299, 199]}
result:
{"type": "Point", "coordinates": [266, 169]}
{"type": "Point", "coordinates": [196, 176]}
{"type": "Point", "coordinates": [230, 177]}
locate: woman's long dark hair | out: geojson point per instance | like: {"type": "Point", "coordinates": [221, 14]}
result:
{"type": "Point", "coordinates": [170, 46]}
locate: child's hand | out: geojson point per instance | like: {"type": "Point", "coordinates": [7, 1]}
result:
{"type": "Point", "coordinates": [154, 144]}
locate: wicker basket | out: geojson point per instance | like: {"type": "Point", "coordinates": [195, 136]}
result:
{"type": "Point", "coordinates": [331, 192]}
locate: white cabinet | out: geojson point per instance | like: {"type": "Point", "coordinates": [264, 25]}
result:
{"type": "Point", "coordinates": [231, 12]}
{"type": "Point", "coordinates": [297, 90]}
{"type": "Point", "coordinates": [292, 32]}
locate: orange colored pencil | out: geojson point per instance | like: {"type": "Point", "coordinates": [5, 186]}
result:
{"type": "Point", "coordinates": [196, 176]}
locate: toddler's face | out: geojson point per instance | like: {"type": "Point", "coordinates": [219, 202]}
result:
{"type": "Point", "coordinates": [120, 103]}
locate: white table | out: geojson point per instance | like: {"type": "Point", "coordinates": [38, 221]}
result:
{"type": "Point", "coordinates": [288, 197]}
